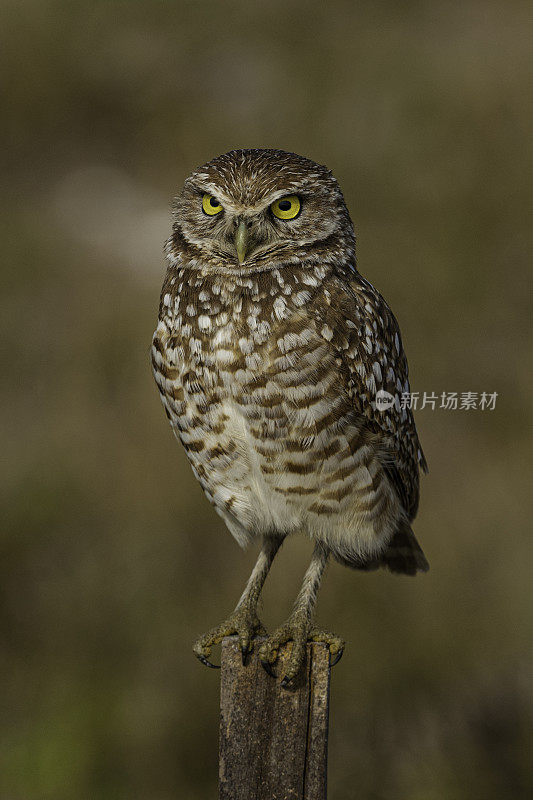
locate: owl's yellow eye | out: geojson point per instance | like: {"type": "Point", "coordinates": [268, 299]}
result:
{"type": "Point", "coordinates": [211, 205]}
{"type": "Point", "coordinates": [286, 207]}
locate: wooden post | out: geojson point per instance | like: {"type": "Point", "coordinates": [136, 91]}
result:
{"type": "Point", "coordinates": [273, 741]}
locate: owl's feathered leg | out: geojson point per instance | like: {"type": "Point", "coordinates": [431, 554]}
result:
{"type": "Point", "coordinates": [244, 621]}
{"type": "Point", "coordinates": [299, 628]}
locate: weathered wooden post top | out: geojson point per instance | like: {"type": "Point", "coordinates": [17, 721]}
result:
{"type": "Point", "coordinates": [273, 740]}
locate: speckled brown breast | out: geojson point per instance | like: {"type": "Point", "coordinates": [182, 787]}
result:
{"type": "Point", "coordinates": [260, 400]}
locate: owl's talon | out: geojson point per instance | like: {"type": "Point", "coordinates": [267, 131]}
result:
{"type": "Point", "coordinates": [295, 630]}
{"type": "Point", "coordinates": [336, 658]}
{"type": "Point", "coordinates": [298, 631]}
{"type": "Point", "coordinates": [243, 622]}
{"type": "Point", "coordinates": [335, 644]}
{"type": "Point", "coordinates": [245, 652]}
{"type": "Point", "coordinates": [206, 662]}
{"type": "Point", "coordinates": [267, 666]}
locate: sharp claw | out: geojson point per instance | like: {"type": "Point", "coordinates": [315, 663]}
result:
{"type": "Point", "coordinates": [267, 666]}
{"type": "Point", "coordinates": [207, 663]}
{"type": "Point", "coordinates": [336, 659]}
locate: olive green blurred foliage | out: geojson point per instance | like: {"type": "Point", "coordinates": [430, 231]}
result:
{"type": "Point", "coordinates": [112, 562]}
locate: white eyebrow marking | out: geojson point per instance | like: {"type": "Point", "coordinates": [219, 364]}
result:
{"type": "Point", "coordinates": [229, 203]}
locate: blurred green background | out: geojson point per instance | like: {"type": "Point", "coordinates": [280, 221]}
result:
{"type": "Point", "coordinates": [112, 562]}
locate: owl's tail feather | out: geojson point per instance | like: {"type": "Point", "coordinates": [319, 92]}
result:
{"type": "Point", "coordinates": [403, 554]}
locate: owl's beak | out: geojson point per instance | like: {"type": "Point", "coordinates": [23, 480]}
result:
{"type": "Point", "coordinates": [241, 240]}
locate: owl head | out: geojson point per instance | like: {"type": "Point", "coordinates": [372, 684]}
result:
{"type": "Point", "coordinates": [253, 210]}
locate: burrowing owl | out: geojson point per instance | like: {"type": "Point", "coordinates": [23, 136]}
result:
{"type": "Point", "coordinates": [268, 355]}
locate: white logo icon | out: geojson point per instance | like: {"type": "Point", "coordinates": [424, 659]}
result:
{"type": "Point", "coordinates": [384, 400]}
